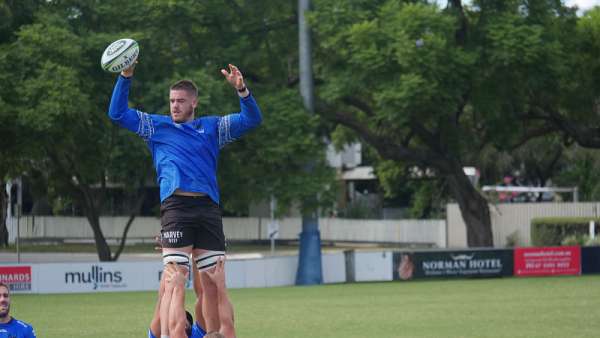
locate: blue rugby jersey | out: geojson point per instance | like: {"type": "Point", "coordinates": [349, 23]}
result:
{"type": "Point", "coordinates": [185, 155]}
{"type": "Point", "coordinates": [16, 329]}
{"type": "Point", "coordinates": [197, 332]}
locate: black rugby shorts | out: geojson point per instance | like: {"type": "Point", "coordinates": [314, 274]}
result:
{"type": "Point", "coordinates": [191, 220]}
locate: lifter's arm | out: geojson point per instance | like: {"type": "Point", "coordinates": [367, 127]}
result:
{"type": "Point", "coordinates": [155, 323]}
{"type": "Point", "coordinates": [177, 318]}
{"type": "Point", "coordinates": [199, 295]}
{"type": "Point", "coordinates": [225, 307]}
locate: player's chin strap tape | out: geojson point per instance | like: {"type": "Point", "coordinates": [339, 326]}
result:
{"type": "Point", "coordinates": [180, 258]}
{"type": "Point", "coordinates": [208, 259]}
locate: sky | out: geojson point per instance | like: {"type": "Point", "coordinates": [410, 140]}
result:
{"type": "Point", "coordinates": [582, 4]}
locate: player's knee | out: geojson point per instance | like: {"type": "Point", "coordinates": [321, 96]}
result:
{"type": "Point", "coordinates": [177, 257]}
{"type": "Point", "coordinates": [208, 259]}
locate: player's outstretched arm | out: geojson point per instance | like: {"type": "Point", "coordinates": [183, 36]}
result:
{"type": "Point", "coordinates": [233, 126]}
{"type": "Point", "coordinates": [119, 111]}
{"type": "Point", "coordinates": [225, 307]}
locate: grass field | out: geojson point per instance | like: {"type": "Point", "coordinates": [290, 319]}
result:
{"type": "Point", "coordinates": [510, 307]}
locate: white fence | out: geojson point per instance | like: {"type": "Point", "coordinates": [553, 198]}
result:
{"type": "Point", "coordinates": [422, 232]}
{"type": "Point", "coordinates": [515, 218]}
{"type": "Point", "coordinates": [140, 276]}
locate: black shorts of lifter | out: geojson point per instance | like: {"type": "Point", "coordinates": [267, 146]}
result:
{"type": "Point", "coordinates": [191, 220]}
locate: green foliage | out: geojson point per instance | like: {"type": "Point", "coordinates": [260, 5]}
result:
{"type": "Point", "coordinates": [593, 241]}
{"type": "Point", "coordinates": [59, 95]}
{"type": "Point", "coordinates": [512, 240]}
{"type": "Point", "coordinates": [360, 208]}
{"type": "Point", "coordinates": [428, 201]}
{"type": "Point", "coordinates": [549, 231]}
{"type": "Point", "coordinates": [580, 170]}
{"type": "Point", "coordinates": [55, 101]}
{"type": "Point", "coordinates": [573, 240]}
{"type": "Point", "coordinates": [272, 161]}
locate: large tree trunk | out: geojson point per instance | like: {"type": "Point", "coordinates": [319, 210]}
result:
{"type": "Point", "coordinates": [102, 247]}
{"type": "Point", "coordinates": [3, 214]}
{"type": "Point", "coordinates": [473, 208]}
{"type": "Point", "coordinates": [93, 216]}
{"type": "Point", "coordinates": [136, 211]}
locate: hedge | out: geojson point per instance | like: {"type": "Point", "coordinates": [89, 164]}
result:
{"type": "Point", "coordinates": [550, 231]}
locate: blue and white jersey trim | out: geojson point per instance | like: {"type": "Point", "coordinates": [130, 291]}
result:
{"type": "Point", "coordinates": [225, 131]}
{"type": "Point", "coordinates": [146, 126]}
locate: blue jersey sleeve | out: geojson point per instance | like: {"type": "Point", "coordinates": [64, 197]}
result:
{"type": "Point", "coordinates": [197, 331]}
{"type": "Point", "coordinates": [150, 335]}
{"type": "Point", "coordinates": [131, 119]}
{"type": "Point", "coordinates": [233, 126]}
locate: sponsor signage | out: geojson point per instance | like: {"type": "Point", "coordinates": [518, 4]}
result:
{"type": "Point", "coordinates": [92, 277]}
{"type": "Point", "coordinates": [18, 278]}
{"type": "Point", "coordinates": [548, 261]}
{"type": "Point", "coordinates": [449, 264]}
{"type": "Point", "coordinates": [590, 259]}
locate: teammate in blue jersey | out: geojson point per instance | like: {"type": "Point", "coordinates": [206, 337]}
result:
{"type": "Point", "coordinates": [185, 152]}
{"type": "Point", "coordinates": [9, 326]}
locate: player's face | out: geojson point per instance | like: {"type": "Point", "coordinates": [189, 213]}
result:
{"type": "Point", "coordinates": [4, 302]}
{"type": "Point", "coordinates": [182, 104]}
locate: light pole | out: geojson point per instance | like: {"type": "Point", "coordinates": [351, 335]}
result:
{"type": "Point", "coordinates": [309, 258]}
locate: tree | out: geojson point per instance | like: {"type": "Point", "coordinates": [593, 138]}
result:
{"type": "Point", "coordinates": [574, 104]}
{"type": "Point", "coordinates": [52, 100]}
{"type": "Point", "coordinates": [59, 97]}
{"type": "Point", "coordinates": [432, 88]}
{"type": "Point", "coordinates": [13, 15]}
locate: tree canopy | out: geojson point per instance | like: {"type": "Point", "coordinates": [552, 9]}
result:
{"type": "Point", "coordinates": [58, 97]}
{"type": "Point", "coordinates": [430, 89]}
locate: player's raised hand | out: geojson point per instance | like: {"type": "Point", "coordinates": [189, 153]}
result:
{"type": "Point", "coordinates": [234, 77]}
{"type": "Point", "coordinates": [217, 275]}
{"type": "Point", "coordinates": [129, 71]}
{"type": "Point", "coordinates": [175, 274]}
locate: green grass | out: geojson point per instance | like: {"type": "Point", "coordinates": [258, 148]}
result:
{"type": "Point", "coordinates": [509, 307]}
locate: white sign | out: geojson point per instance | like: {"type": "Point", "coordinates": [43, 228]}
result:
{"type": "Point", "coordinates": [273, 230]}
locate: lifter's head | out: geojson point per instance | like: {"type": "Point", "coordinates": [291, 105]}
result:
{"type": "Point", "coordinates": [183, 100]}
{"type": "Point", "coordinates": [189, 323]}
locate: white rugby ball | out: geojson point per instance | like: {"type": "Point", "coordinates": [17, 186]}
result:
{"type": "Point", "coordinates": [120, 55]}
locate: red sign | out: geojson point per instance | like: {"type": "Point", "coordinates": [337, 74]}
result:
{"type": "Point", "coordinates": [548, 261]}
{"type": "Point", "coordinates": [18, 278]}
